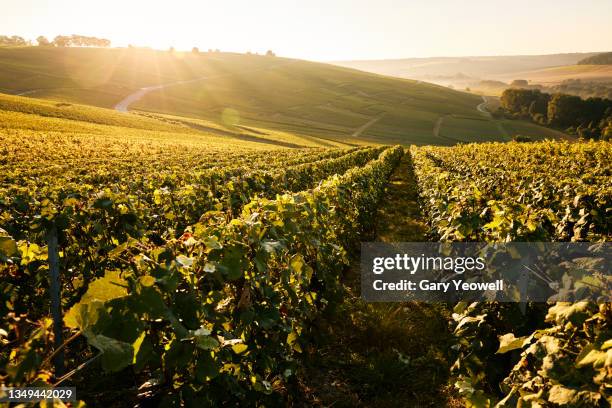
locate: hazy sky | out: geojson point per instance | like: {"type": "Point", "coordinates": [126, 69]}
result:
{"type": "Point", "coordinates": [327, 29]}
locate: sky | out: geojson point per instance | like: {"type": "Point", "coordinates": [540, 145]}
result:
{"type": "Point", "coordinates": [327, 30]}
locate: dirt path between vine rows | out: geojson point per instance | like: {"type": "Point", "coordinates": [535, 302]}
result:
{"type": "Point", "coordinates": [383, 354]}
{"type": "Point", "coordinates": [367, 125]}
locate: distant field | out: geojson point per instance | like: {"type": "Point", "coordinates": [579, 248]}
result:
{"type": "Point", "coordinates": [492, 75]}
{"type": "Point", "coordinates": [553, 76]}
{"type": "Point", "coordinates": [465, 67]}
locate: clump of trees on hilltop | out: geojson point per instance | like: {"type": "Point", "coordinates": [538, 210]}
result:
{"type": "Point", "coordinates": [13, 41]}
{"type": "Point", "coordinates": [587, 118]}
{"type": "Point", "coordinates": [605, 58]}
{"type": "Point", "coordinates": [73, 40]}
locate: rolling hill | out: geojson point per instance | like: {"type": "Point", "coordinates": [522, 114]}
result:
{"type": "Point", "coordinates": [495, 67]}
{"type": "Point", "coordinates": [276, 99]}
{"type": "Point", "coordinates": [29, 118]}
{"type": "Point", "coordinates": [556, 75]}
{"type": "Point", "coordinates": [491, 75]}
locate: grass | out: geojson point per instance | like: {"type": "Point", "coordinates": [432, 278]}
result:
{"type": "Point", "coordinates": [536, 132]}
{"type": "Point", "coordinates": [314, 99]}
{"type": "Point", "coordinates": [476, 128]}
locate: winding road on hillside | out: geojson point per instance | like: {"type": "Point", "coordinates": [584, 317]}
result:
{"type": "Point", "coordinates": [124, 105]}
{"type": "Point", "coordinates": [481, 108]}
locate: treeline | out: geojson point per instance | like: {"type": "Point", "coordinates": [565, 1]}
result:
{"type": "Point", "coordinates": [587, 118]}
{"type": "Point", "coordinates": [584, 89]}
{"type": "Point", "coordinates": [14, 40]}
{"type": "Point", "coordinates": [605, 58]}
{"type": "Point", "coordinates": [73, 40]}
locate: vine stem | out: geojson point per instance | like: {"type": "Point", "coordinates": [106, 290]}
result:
{"type": "Point", "coordinates": [61, 347]}
{"type": "Point", "coordinates": [76, 370]}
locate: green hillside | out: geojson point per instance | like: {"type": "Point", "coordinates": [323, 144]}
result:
{"type": "Point", "coordinates": [275, 93]}
{"type": "Point", "coordinates": [26, 121]}
{"type": "Point", "coordinates": [296, 98]}
{"type": "Point", "coordinates": [316, 99]}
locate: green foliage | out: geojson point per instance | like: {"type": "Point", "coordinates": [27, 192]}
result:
{"type": "Point", "coordinates": [218, 313]}
{"type": "Point", "coordinates": [564, 110]}
{"type": "Point", "coordinates": [525, 101]}
{"type": "Point", "coordinates": [97, 228]}
{"type": "Point", "coordinates": [544, 191]}
{"type": "Point", "coordinates": [533, 355]}
{"type": "Point", "coordinates": [590, 116]}
{"type": "Point", "coordinates": [568, 364]}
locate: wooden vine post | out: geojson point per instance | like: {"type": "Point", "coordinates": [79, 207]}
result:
{"type": "Point", "coordinates": [55, 294]}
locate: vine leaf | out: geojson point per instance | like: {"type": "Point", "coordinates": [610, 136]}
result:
{"type": "Point", "coordinates": [508, 342]}
{"type": "Point", "coordinates": [116, 355]}
{"type": "Point", "coordinates": [90, 309]}
{"type": "Point", "coordinates": [8, 247]}
{"type": "Point", "coordinates": [111, 286]}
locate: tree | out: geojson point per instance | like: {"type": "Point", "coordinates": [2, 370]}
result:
{"type": "Point", "coordinates": [269, 53]}
{"type": "Point", "coordinates": [76, 40]}
{"type": "Point", "coordinates": [604, 58]}
{"type": "Point", "coordinates": [42, 41]}
{"type": "Point", "coordinates": [519, 83]}
{"type": "Point", "coordinates": [525, 101]}
{"type": "Point", "coordinates": [61, 41]}
{"type": "Point", "coordinates": [564, 110]}
{"type": "Point", "coordinates": [14, 40]}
